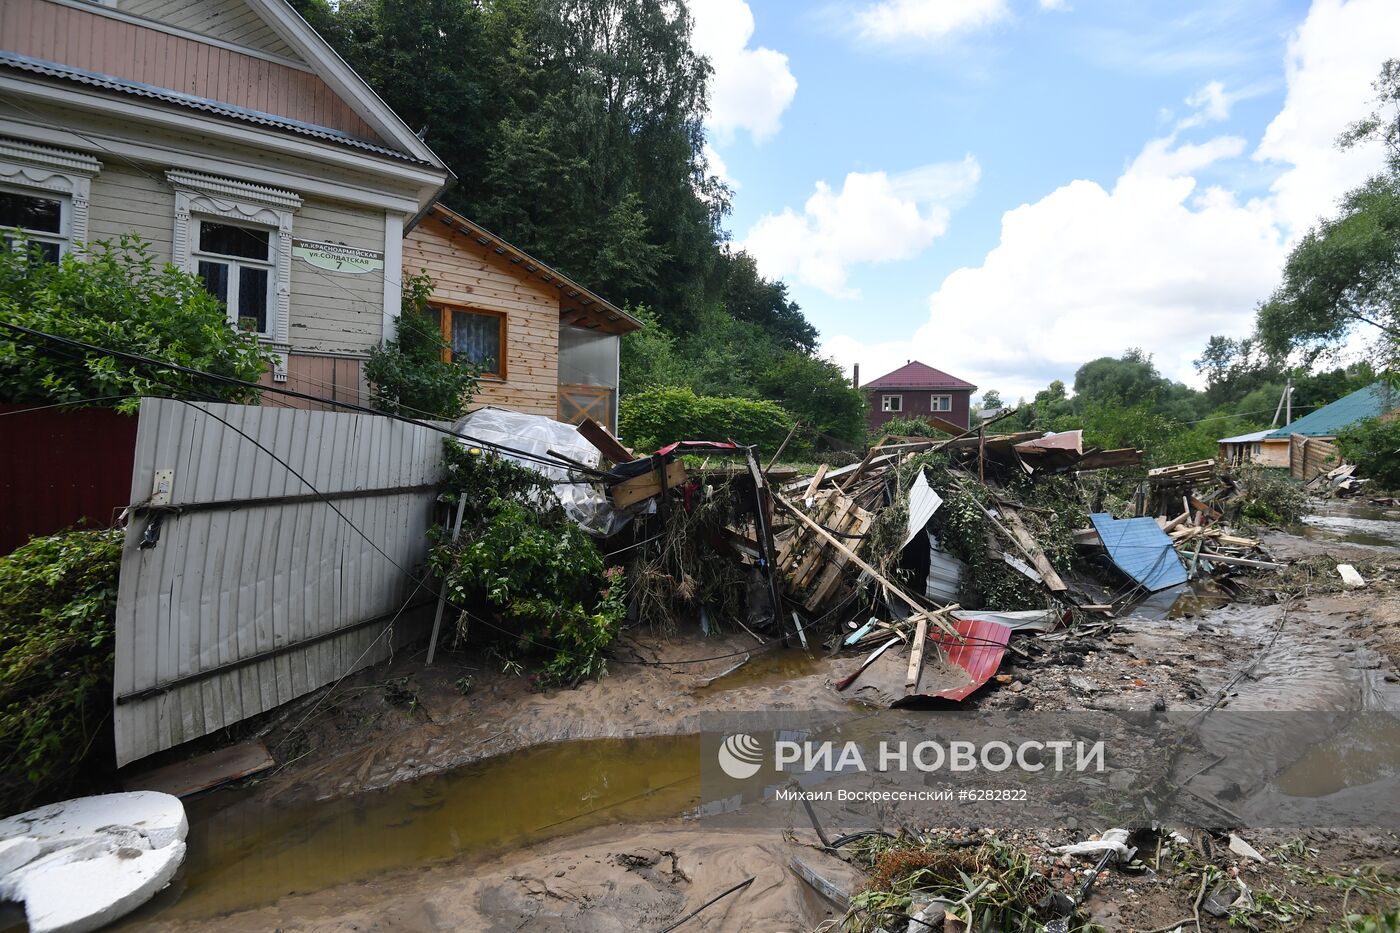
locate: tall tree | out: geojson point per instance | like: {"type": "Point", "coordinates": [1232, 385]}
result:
{"type": "Point", "coordinates": [1344, 275]}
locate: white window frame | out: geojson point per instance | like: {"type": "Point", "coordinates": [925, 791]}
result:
{"type": "Point", "coordinates": [898, 403]}
{"type": "Point", "coordinates": [210, 197]}
{"type": "Point", "coordinates": [56, 174]}
{"type": "Point", "coordinates": [236, 263]}
{"type": "Point", "coordinates": [935, 403]}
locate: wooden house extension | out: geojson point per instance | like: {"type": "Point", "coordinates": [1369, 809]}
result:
{"type": "Point", "coordinates": [547, 345]}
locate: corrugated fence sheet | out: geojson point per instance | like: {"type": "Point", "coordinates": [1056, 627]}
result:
{"type": "Point", "coordinates": [258, 590]}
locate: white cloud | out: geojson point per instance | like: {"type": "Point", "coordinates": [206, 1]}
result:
{"type": "Point", "coordinates": [875, 217]}
{"type": "Point", "coordinates": [899, 21]}
{"type": "Point", "coordinates": [1210, 104]}
{"type": "Point", "coordinates": [751, 87]}
{"type": "Point", "coordinates": [1088, 272]}
{"type": "Point", "coordinates": [1054, 5]}
{"type": "Point", "coordinates": [1332, 59]}
{"type": "Point", "coordinates": [718, 168]}
{"type": "Point", "coordinates": [1156, 261]}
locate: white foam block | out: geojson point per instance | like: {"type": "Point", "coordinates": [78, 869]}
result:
{"type": "Point", "coordinates": [80, 864]}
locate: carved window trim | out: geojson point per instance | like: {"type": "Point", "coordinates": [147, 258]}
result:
{"type": "Point", "coordinates": [209, 196]}
{"type": "Point", "coordinates": [26, 166]}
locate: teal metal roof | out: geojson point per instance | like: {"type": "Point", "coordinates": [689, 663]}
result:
{"type": "Point", "coordinates": [1328, 420]}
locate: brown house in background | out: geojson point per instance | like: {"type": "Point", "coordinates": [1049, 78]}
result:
{"type": "Point", "coordinates": [917, 391]}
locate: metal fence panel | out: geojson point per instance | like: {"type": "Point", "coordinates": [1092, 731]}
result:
{"type": "Point", "coordinates": [259, 591]}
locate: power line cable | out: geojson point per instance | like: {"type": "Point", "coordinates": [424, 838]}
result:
{"type": "Point", "coordinates": [292, 393]}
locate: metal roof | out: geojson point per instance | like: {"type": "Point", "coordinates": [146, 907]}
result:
{"type": "Point", "coordinates": [164, 95]}
{"type": "Point", "coordinates": [1327, 421]}
{"type": "Point", "coordinates": [1141, 549]}
{"type": "Point", "coordinates": [1246, 438]}
{"type": "Point", "coordinates": [916, 375]}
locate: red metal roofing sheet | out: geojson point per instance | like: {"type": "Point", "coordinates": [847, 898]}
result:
{"type": "Point", "coordinates": [979, 652]}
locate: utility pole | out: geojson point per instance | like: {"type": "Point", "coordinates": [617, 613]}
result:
{"type": "Point", "coordinates": [1285, 399]}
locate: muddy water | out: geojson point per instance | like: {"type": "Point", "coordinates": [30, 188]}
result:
{"type": "Point", "coordinates": [773, 667]}
{"type": "Point", "coordinates": [249, 853]}
{"type": "Point", "coordinates": [1353, 523]}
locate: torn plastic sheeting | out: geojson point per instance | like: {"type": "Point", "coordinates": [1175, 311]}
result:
{"type": "Point", "coordinates": [978, 652]}
{"type": "Point", "coordinates": [1141, 549]}
{"type": "Point", "coordinates": [584, 501]}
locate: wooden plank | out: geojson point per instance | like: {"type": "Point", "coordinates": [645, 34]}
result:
{"type": "Point", "coordinates": [916, 655]}
{"type": "Point", "coordinates": [1032, 551]}
{"type": "Point", "coordinates": [607, 445]}
{"type": "Point", "coordinates": [816, 481]}
{"type": "Point", "coordinates": [855, 558]}
{"type": "Point", "coordinates": [630, 492]}
{"type": "Point", "coordinates": [193, 775]}
{"type": "Point", "coordinates": [1215, 558]}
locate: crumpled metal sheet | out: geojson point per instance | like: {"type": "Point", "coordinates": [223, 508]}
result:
{"type": "Point", "coordinates": [977, 654]}
{"type": "Point", "coordinates": [1141, 549]}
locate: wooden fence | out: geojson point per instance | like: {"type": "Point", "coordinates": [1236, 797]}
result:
{"type": "Point", "coordinates": [245, 585]}
{"type": "Point", "coordinates": [1309, 456]}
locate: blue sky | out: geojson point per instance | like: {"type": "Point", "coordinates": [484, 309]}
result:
{"type": "Point", "coordinates": [1006, 188]}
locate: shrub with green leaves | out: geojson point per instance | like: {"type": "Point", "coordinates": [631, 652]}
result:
{"type": "Point", "coordinates": [57, 598]}
{"type": "Point", "coordinates": [523, 567]}
{"type": "Point", "coordinates": [907, 426]}
{"type": "Point", "coordinates": [1374, 446]}
{"type": "Point", "coordinates": [659, 415]}
{"type": "Point", "coordinates": [115, 296]}
{"type": "Point", "coordinates": [409, 375]}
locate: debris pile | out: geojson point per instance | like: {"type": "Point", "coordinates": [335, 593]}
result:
{"type": "Point", "coordinates": [1338, 483]}
{"type": "Point", "coordinates": [920, 561]}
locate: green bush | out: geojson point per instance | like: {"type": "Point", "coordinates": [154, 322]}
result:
{"type": "Point", "coordinates": [538, 576]}
{"type": "Point", "coordinates": [1374, 446]}
{"type": "Point", "coordinates": [657, 416]}
{"type": "Point", "coordinates": [408, 374]}
{"type": "Point", "coordinates": [115, 297]}
{"type": "Point", "coordinates": [907, 426]}
{"type": "Point", "coordinates": [57, 597]}
{"type": "Point", "coordinates": [1268, 496]}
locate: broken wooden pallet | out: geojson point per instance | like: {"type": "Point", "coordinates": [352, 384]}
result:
{"type": "Point", "coordinates": [812, 568]}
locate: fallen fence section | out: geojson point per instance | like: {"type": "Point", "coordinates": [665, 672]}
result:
{"type": "Point", "coordinates": [253, 588]}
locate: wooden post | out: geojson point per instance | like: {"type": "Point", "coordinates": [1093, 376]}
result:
{"type": "Point", "coordinates": [916, 655]}
{"type": "Point", "coordinates": [783, 446]}
{"type": "Point", "coordinates": [442, 593]}
{"type": "Point", "coordinates": [763, 525]}
{"type": "Point", "coordinates": [982, 454]}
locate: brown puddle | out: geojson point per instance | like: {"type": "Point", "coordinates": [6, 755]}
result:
{"type": "Point", "coordinates": [773, 667]}
{"type": "Point", "coordinates": [253, 852]}
{"type": "Point", "coordinates": [1367, 750]}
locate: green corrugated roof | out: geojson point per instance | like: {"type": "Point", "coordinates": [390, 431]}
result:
{"type": "Point", "coordinates": [1328, 420]}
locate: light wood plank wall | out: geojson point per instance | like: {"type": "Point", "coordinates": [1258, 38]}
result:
{"type": "Point", "coordinates": [468, 274]}
{"type": "Point", "coordinates": [92, 42]}
{"type": "Point", "coordinates": [230, 20]}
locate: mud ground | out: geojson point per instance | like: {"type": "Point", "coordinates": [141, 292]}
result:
{"type": "Point", "coordinates": [1336, 649]}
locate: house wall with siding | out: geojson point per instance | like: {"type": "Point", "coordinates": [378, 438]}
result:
{"type": "Point", "coordinates": [333, 311]}
{"type": "Point", "coordinates": [230, 20]}
{"type": "Point", "coordinates": [917, 403]}
{"type": "Point", "coordinates": [469, 275]}
{"type": "Point", "coordinates": [330, 312]}
{"type": "Point", "coordinates": [93, 42]}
